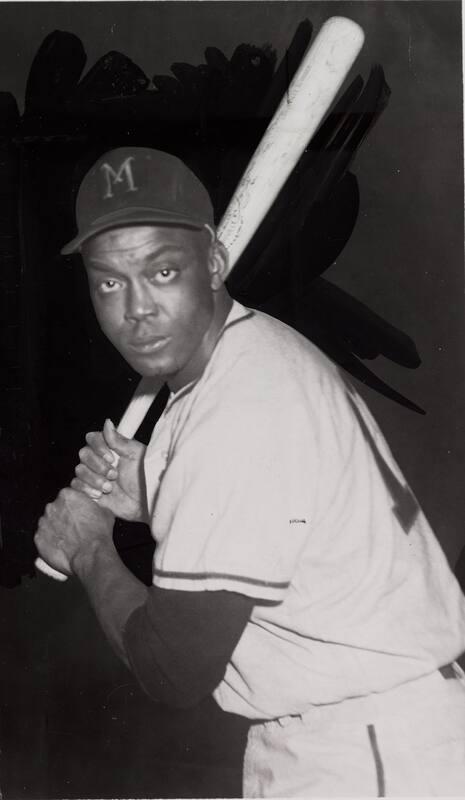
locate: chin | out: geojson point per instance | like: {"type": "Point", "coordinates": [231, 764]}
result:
{"type": "Point", "coordinates": [149, 368]}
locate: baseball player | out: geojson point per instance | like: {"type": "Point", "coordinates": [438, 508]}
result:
{"type": "Point", "coordinates": [295, 576]}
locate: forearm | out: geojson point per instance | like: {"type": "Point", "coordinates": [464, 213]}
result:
{"type": "Point", "coordinates": [113, 590]}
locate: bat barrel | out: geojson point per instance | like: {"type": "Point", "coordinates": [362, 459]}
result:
{"type": "Point", "coordinates": [315, 85]}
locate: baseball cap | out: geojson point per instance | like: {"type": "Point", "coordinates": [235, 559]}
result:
{"type": "Point", "coordinates": [137, 186]}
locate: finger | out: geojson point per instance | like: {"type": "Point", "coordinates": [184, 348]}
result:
{"type": "Point", "coordinates": [96, 462]}
{"type": "Point", "coordinates": [71, 502]}
{"type": "Point", "coordinates": [49, 511]}
{"type": "Point", "coordinates": [42, 526]}
{"type": "Point", "coordinates": [44, 531]}
{"type": "Point", "coordinates": [93, 481]}
{"type": "Point", "coordinates": [96, 441]}
{"type": "Point", "coordinates": [80, 486]}
{"type": "Point", "coordinates": [117, 442]}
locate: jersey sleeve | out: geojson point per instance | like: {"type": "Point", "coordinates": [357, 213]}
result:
{"type": "Point", "coordinates": [240, 491]}
{"type": "Point", "coordinates": [179, 643]}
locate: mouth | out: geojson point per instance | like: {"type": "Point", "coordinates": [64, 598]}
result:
{"type": "Point", "coordinates": [149, 344]}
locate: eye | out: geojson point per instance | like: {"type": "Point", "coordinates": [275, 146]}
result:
{"type": "Point", "coordinates": [165, 275]}
{"type": "Point", "coordinates": [109, 285]}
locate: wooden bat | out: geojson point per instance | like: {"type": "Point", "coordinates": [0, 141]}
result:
{"type": "Point", "coordinates": [315, 85]}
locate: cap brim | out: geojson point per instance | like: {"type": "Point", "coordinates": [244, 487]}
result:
{"type": "Point", "coordinates": [128, 217]}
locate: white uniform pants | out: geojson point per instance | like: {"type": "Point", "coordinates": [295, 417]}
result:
{"type": "Point", "coordinates": [409, 741]}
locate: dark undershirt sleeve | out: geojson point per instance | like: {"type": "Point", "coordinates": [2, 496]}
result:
{"type": "Point", "coordinates": [179, 643]}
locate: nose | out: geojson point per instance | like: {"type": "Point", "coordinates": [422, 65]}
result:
{"type": "Point", "coordinates": [140, 303]}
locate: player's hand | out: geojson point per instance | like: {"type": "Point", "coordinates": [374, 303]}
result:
{"type": "Point", "coordinates": [118, 487]}
{"type": "Point", "coordinates": [70, 527]}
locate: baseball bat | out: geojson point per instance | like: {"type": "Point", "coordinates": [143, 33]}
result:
{"type": "Point", "coordinates": [323, 69]}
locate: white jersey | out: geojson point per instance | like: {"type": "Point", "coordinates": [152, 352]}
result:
{"type": "Point", "coordinates": [269, 477]}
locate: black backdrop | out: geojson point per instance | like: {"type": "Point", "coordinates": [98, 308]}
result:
{"type": "Point", "coordinates": [72, 722]}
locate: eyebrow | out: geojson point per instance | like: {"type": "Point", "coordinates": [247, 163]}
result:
{"type": "Point", "coordinates": [95, 263]}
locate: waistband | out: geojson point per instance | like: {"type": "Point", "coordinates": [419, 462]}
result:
{"type": "Point", "coordinates": [442, 685]}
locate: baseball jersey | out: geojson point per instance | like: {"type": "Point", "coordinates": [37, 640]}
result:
{"type": "Point", "coordinates": [269, 477]}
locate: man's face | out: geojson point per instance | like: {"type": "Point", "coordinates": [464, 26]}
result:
{"type": "Point", "coordinates": [153, 293]}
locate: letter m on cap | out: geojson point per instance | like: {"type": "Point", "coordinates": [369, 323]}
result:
{"type": "Point", "coordinates": [123, 175]}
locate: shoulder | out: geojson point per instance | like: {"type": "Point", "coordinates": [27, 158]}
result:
{"type": "Point", "coordinates": [265, 376]}
{"type": "Point", "coordinates": [264, 352]}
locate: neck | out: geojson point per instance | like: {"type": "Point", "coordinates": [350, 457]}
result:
{"type": "Point", "coordinates": [197, 364]}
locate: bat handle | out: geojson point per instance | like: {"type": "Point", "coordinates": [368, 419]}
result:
{"type": "Point", "coordinates": [130, 422]}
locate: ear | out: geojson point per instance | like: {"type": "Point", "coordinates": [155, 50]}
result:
{"type": "Point", "coordinates": [218, 265]}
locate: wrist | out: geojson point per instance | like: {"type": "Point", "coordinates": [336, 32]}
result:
{"type": "Point", "coordinates": [87, 559]}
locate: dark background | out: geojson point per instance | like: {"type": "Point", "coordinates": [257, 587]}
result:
{"type": "Point", "coordinates": [72, 721]}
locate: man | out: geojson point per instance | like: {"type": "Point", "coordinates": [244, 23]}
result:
{"type": "Point", "coordinates": [295, 576]}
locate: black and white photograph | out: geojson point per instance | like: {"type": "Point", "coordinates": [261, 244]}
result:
{"type": "Point", "coordinates": [232, 402]}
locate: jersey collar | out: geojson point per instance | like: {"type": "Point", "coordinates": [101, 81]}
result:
{"type": "Point", "coordinates": [237, 313]}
